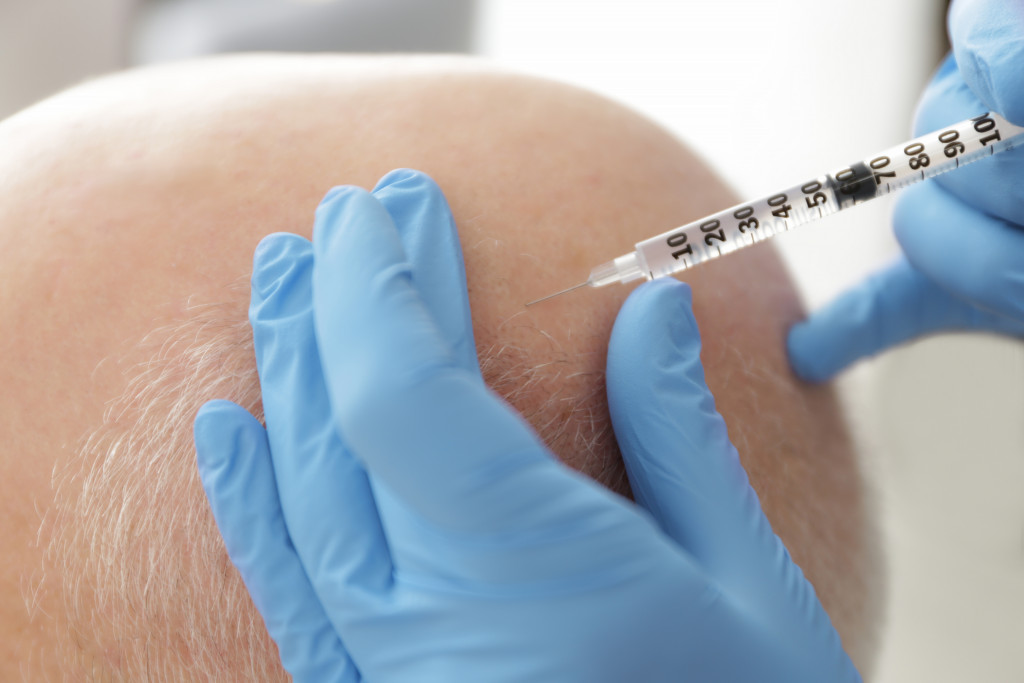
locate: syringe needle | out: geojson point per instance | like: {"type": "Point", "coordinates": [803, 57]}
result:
{"type": "Point", "coordinates": [552, 296]}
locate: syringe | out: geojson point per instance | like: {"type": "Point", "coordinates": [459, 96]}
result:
{"type": "Point", "coordinates": [752, 222]}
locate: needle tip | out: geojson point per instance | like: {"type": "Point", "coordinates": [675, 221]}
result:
{"type": "Point", "coordinates": [552, 296]}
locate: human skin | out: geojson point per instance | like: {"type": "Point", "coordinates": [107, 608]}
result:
{"type": "Point", "coordinates": [127, 202]}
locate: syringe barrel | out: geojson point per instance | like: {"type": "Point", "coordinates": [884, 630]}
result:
{"type": "Point", "coordinates": [752, 222]}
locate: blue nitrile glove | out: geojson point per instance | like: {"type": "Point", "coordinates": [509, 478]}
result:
{"type": "Point", "coordinates": [397, 521]}
{"type": "Point", "coordinates": [961, 233]}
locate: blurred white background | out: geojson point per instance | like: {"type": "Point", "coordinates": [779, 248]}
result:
{"type": "Point", "coordinates": [769, 91]}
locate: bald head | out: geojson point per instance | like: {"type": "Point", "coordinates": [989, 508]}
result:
{"type": "Point", "coordinates": [130, 210]}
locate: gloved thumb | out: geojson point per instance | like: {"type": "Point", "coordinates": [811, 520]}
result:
{"type": "Point", "coordinates": [681, 464]}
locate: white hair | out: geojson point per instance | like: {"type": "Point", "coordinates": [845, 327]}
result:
{"type": "Point", "coordinates": [147, 589]}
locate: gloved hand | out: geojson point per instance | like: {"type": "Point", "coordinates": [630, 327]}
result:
{"type": "Point", "coordinates": [961, 233]}
{"type": "Point", "coordinates": [398, 522]}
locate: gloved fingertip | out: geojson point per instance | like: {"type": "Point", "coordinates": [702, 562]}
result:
{"type": "Point", "coordinates": [210, 416]}
{"type": "Point", "coordinates": [414, 201]}
{"type": "Point", "coordinates": [656, 323]}
{"type": "Point", "coordinates": [274, 262]}
{"type": "Point", "coordinates": [346, 206]}
{"type": "Point", "coordinates": [674, 301]}
{"type": "Point", "coordinates": [885, 309]}
{"type": "Point", "coordinates": [667, 289]}
{"type": "Point", "coordinates": [405, 177]}
{"type": "Point", "coordinates": [215, 407]}
{"type": "Point", "coordinates": [803, 352]}
{"type": "Point", "coordinates": [661, 302]}
{"type": "Point", "coordinates": [654, 332]}
{"type": "Point", "coordinates": [220, 431]}
{"type": "Point", "coordinates": [334, 193]}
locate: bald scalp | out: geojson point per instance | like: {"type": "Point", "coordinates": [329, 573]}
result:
{"type": "Point", "coordinates": [156, 186]}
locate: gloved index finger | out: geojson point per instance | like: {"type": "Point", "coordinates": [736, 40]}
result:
{"type": "Point", "coordinates": [419, 421]}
